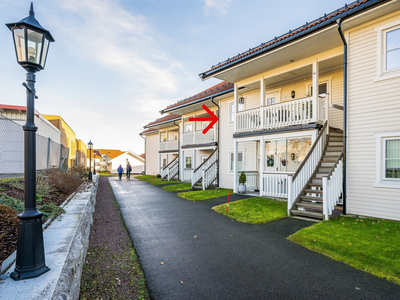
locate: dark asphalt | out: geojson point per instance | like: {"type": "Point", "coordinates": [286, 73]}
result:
{"type": "Point", "coordinates": [188, 251]}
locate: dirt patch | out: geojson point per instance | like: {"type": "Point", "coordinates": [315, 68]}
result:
{"type": "Point", "coordinates": [8, 231]}
{"type": "Point", "coordinates": [111, 269]}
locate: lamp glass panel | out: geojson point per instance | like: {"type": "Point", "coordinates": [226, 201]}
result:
{"type": "Point", "coordinates": [35, 40]}
{"type": "Point", "coordinates": [45, 49]}
{"type": "Point", "coordinates": [19, 40]}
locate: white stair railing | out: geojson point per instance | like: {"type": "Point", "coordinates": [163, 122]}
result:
{"type": "Point", "coordinates": [210, 174]}
{"type": "Point", "coordinates": [198, 172]}
{"type": "Point", "coordinates": [166, 170]}
{"type": "Point", "coordinates": [297, 182]}
{"type": "Point", "coordinates": [333, 188]}
{"type": "Point", "coordinates": [173, 169]}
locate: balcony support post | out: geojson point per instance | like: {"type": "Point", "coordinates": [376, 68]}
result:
{"type": "Point", "coordinates": [261, 168]}
{"type": "Point", "coordinates": [235, 169]}
{"type": "Point", "coordinates": [235, 101]}
{"type": "Point", "coordinates": [315, 93]}
{"type": "Point", "coordinates": [262, 101]}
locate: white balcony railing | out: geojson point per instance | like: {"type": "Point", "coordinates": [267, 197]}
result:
{"type": "Point", "coordinates": [283, 114]}
{"type": "Point", "coordinates": [275, 185]}
{"type": "Point", "coordinates": [197, 137]}
{"type": "Point", "coordinates": [169, 145]}
{"type": "Point", "coordinates": [251, 180]}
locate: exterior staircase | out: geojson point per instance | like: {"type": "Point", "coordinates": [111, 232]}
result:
{"type": "Point", "coordinates": [171, 170]}
{"type": "Point", "coordinates": [309, 204]}
{"type": "Point", "coordinates": [206, 175]}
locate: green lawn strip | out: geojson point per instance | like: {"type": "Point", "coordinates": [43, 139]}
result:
{"type": "Point", "coordinates": [257, 210]}
{"type": "Point", "coordinates": [106, 174]}
{"type": "Point", "coordinates": [204, 195]}
{"type": "Point", "coordinates": [177, 187]}
{"type": "Point", "coordinates": [371, 245]}
{"type": "Point", "coordinates": [144, 177]}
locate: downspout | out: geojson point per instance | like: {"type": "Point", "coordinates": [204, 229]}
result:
{"type": "Point", "coordinates": [344, 117]}
{"type": "Point", "coordinates": [144, 152]}
{"type": "Point", "coordinates": [179, 147]}
{"type": "Point", "coordinates": [212, 100]}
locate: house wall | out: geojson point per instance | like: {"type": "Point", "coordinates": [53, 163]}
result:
{"type": "Point", "coordinates": [137, 165]}
{"type": "Point", "coordinates": [373, 107]}
{"type": "Point", "coordinates": [152, 154]}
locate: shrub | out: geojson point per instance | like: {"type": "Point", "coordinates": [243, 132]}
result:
{"type": "Point", "coordinates": [66, 182]}
{"type": "Point", "coordinates": [158, 176]}
{"type": "Point", "coordinates": [242, 178]}
{"type": "Point", "coordinates": [15, 204]}
{"type": "Point", "coordinates": [49, 210]}
{"type": "Point", "coordinates": [43, 187]}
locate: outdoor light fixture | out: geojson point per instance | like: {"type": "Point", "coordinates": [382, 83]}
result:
{"type": "Point", "coordinates": [293, 94]}
{"type": "Point", "coordinates": [241, 100]}
{"type": "Point", "coordinates": [90, 144]}
{"type": "Point", "coordinates": [293, 156]}
{"type": "Point", "coordinates": [31, 42]}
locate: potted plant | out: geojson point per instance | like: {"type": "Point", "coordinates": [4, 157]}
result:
{"type": "Point", "coordinates": [242, 181]}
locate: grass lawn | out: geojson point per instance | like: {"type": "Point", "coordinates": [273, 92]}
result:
{"type": "Point", "coordinates": [256, 210]}
{"type": "Point", "coordinates": [371, 245]}
{"type": "Point", "coordinates": [177, 187]}
{"type": "Point", "coordinates": [106, 174]}
{"type": "Point", "coordinates": [204, 195]}
{"type": "Point", "coordinates": [145, 177]}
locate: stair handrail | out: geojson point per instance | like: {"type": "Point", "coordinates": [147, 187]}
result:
{"type": "Point", "coordinates": [209, 157]}
{"type": "Point", "coordinates": [314, 156]}
{"type": "Point", "coordinates": [311, 151]}
{"type": "Point", "coordinates": [174, 167]}
{"type": "Point", "coordinates": [332, 188]}
{"type": "Point", "coordinates": [213, 168]}
{"type": "Point", "coordinates": [171, 162]}
{"type": "Point", "coordinates": [334, 166]}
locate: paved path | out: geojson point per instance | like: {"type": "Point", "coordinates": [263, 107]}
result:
{"type": "Point", "coordinates": [188, 251]}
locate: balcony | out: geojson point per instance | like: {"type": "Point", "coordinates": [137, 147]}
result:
{"type": "Point", "coordinates": [296, 112]}
{"type": "Point", "coordinates": [169, 145]}
{"type": "Point", "coordinates": [197, 137]}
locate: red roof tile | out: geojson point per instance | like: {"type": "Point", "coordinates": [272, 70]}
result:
{"type": "Point", "coordinates": [150, 130]}
{"type": "Point", "coordinates": [287, 35]}
{"type": "Point", "coordinates": [163, 120]}
{"type": "Point", "coordinates": [220, 87]}
{"type": "Point", "coordinates": [5, 106]}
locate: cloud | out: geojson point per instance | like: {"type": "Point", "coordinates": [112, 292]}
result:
{"type": "Point", "coordinates": [105, 32]}
{"type": "Point", "coordinates": [220, 6]}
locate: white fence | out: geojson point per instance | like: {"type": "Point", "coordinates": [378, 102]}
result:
{"type": "Point", "coordinates": [198, 173]}
{"type": "Point", "coordinates": [251, 180]}
{"type": "Point", "coordinates": [283, 114]}
{"type": "Point", "coordinates": [333, 188]}
{"type": "Point", "coordinates": [275, 185]}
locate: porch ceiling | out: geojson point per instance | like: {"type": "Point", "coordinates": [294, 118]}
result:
{"type": "Point", "coordinates": [304, 48]}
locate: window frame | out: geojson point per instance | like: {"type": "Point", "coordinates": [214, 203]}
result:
{"type": "Point", "coordinates": [229, 160]}
{"type": "Point", "coordinates": [191, 162]}
{"type": "Point", "coordinates": [231, 113]}
{"type": "Point", "coordinates": [381, 32]}
{"type": "Point", "coordinates": [381, 180]}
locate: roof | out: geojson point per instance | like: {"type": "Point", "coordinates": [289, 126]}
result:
{"type": "Point", "coordinates": [95, 151]}
{"type": "Point", "coordinates": [111, 153]}
{"type": "Point", "coordinates": [309, 27]}
{"type": "Point", "coordinates": [130, 153]}
{"type": "Point", "coordinates": [206, 94]}
{"type": "Point", "coordinates": [16, 107]}
{"type": "Point", "coordinates": [165, 119]}
{"type": "Point", "coordinates": [149, 131]}
{"type": "Point", "coordinates": [143, 155]}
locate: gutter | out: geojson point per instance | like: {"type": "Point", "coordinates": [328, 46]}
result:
{"type": "Point", "coordinates": [212, 100]}
{"type": "Point", "coordinates": [179, 146]}
{"type": "Point", "coordinates": [164, 122]}
{"type": "Point", "coordinates": [344, 196]}
{"type": "Point", "coordinates": [196, 101]}
{"type": "Point", "coordinates": [303, 33]}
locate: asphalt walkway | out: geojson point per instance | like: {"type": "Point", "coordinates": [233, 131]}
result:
{"type": "Point", "coordinates": [188, 251]}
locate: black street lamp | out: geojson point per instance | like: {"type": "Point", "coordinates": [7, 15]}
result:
{"type": "Point", "coordinates": [94, 162]}
{"type": "Point", "coordinates": [31, 43]}
{"type": "Point", "coordinates": [90, 144]}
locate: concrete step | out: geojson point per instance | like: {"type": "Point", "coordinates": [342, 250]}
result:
{"type": "Point", "coordinates": [334, 148]}
{"type": "Point", "coordinates": [335, 144]}
{"type": "Point", "coordinates": [328, 164]}
{"type": "Point", "coordinates": [329, 157]}
{"type": "Point", "coordinates": [322, 169]}
{"type": "Point", "coordinates": [335, 133]}
{"type": "Point", "coordinates": [314, 191]}
{"type": "Point", "coordinates": [332, 153]}
{"type": "Point", "coordinates": [322, 174]}
{"type": "Point", "coordinates": [315, 184]}
{"type": "Point", "coordinates": [307, 214]}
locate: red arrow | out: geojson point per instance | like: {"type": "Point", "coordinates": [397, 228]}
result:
{"type": "Point", "coordinates": [214, 119]}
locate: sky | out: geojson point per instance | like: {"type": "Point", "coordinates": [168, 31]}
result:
{"type": "Point", "coordinates": [116, 63]}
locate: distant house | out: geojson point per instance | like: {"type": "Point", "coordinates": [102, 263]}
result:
{"type": "Point", "coordinates": [151, 146]}
{"type": "Point", "coordinates": [135, 160]}
{"type": "Point", "coordinates": [68, 136]}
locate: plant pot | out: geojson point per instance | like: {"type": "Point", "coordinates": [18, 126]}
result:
{"type": "Point", "coordinates": [241, 188]}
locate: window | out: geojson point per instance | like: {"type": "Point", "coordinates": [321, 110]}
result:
{"type": "Point", "coordinates": [175, 136]}
{"type": "Point", "coordinates": [188, 162]}
{"type": "Point", "coordinates": [240, 162]}
{"type": "Point", "coordinates": [188, 127]}
{"type": "Point", "coordinates": [388, 51]}
{"type": "Point", "coordinates": [231, 112]}
{"type": "Point", "coordinates": [163, 138]}
{"type": "Point", "coordinates": [322, 89]}
{"type": "Point", "coordinates": [388, 159]}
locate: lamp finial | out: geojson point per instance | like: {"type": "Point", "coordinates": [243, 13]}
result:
{"type": "Point", "coordinates": [31, 11]}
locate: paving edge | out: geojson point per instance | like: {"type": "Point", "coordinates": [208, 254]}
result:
{"type": "Point", "coordinates": [66, 242]}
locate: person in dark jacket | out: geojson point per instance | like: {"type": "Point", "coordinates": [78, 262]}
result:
{"type": "Point", "coordinates": [120, 171]}
{"type": "Point", "coordinates": [128, 170]}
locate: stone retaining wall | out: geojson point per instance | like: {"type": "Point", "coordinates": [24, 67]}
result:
{"type": "Point", "coordinates": [66, 241]}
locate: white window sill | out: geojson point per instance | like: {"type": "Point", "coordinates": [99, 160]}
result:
{"type": "Point", "coordinates": [388, 184]}
{"type": "Point", "coordinates": [387, 76]}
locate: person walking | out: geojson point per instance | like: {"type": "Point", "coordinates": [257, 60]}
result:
{"type": "Point", "coordinates": [120, 171]}
{"type": "Point", "coordinates": [128, 170]}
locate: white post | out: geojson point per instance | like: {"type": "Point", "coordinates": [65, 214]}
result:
{"type": "Point", "coordinates": [215, 128]}
{"type": "Point", "coordinates": [235, 101]}
{"type": "Point", "coordinates": [204, 180]}
{"type": "Point", "coordinates": [290, 196]}
{"type": "Point", "coordinates": [325, 198]}
{"type": "Point", "coordinates": [235, 171]}
{"type": "Point", "coordinates": [261, 168]}
{"type": "Point", "coordinates": [262, 100]}
{"type": "Point", "coordinates": [182, 165]}
{"type": "Point", "coordinates": [315, 79]}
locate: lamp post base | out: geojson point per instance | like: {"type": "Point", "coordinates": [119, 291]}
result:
{"type": "Point", "coordinates": [30, 262]}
